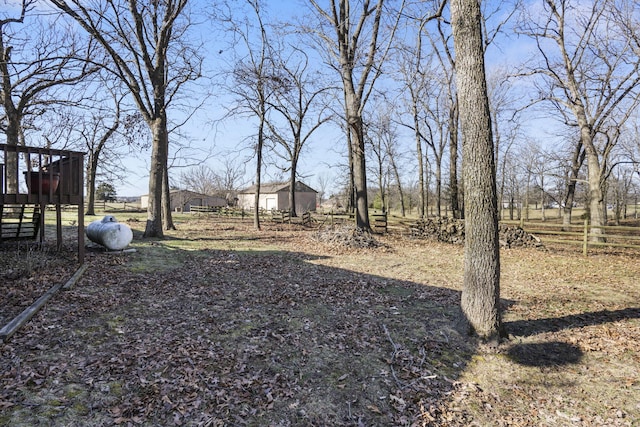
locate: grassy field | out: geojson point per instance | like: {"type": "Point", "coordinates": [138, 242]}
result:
{"type": "Point", "coordinates": [220, 324]}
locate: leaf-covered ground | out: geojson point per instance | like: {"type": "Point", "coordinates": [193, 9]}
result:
{"type": "Point", "coordinates": [221, 325]}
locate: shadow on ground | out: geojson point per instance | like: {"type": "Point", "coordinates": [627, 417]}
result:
{"type": "Point", "coordinates": [555, 353]}
{"type": "Point", "coordinates": [248, 338]}
{"type": "Point", "coordinates": [538, 326]}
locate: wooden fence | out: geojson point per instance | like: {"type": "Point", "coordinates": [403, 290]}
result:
{"type": "Point", "coordinates": [582, 234]}
{"type": "Point", "coordinates": [379, 222]}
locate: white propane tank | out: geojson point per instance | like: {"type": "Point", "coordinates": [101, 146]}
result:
{"type": "Point", "coordinates": [109, 233]}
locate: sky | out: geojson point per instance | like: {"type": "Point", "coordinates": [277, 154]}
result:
{"type": "Point", "coordinates": [212, 141]}
{"type": "Point", "coordinates": [324, 156]}
{"type": "Point", "coordinates": [217, 140]}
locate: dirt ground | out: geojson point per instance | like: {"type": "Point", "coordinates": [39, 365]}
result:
{"type": "Point", "coordinates": [221, 325]}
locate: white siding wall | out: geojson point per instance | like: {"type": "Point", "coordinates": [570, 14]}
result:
{"type": "Point", "coordinates": [280, 201]}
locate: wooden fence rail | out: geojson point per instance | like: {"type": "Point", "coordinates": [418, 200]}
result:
{"type": "Point", "coordinates": [581, 234]}
{"type": "Point", "coordinates": [379, 222]}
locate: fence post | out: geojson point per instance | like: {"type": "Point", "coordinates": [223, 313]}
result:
{"type": "Point", "coordinates": [586, 237]}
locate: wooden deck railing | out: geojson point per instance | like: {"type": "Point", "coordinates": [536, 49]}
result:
{"type": "Point", "coordinates": [41, 177]}
{"type": "Point", "coordinates": [28, 175]}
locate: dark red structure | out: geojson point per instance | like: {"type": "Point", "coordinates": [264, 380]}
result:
{"type": "Point", "coordinates": [33, 179]}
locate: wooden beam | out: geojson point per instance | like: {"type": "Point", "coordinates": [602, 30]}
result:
{"type": "Point", "coordinates": [10, 328]}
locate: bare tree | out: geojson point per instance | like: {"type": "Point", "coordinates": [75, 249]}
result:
{"type": "Point", "coordinates": [511, 187]}
{"type": "Point", "coordinates": [375, 133]}
{"type": "Point", "coordinates": [223, 182]}
{"type": "Point", "coordinates": [32, 67]}
{"type": "Point", "coordinates": [147, 43]}
{"type": "Point", "coordinates": [506, 128]}
{"type": "Point", "coordinates": [527, 160]}
{"type": "Point", "coordinates": [96, 133]}
{"type": "Point", "coordinates": [230, 179]}
{"type": "Point", "coordinates": [588, 72]}
{"type": "Point", "coordinates": [255, 81]}
{"type": "Point", "coordinates": [441, 44]}
{"type": "Point", "coordinates": [356, 51]}
{"type": "Point", "coordinates": [390, 140]}
{"type": "Point", "coordinates": [412, 74]}
{"type": "Point", "coordinates": [440, 40]}
{"type": "Point", "coordinates": [435, 122]}
{"type": "Point", "coordinates": [323, 182]}
{"type": "Point", "coordinates": [300, 104]}
{"type": "Point", "coordinates": [200, 179]}
{"type": "Point", "coordinates": [480, 301]}
{"type": "Point", "coordinates": [569, 159]}
{"type": "Point", "coordinates": [540, 168]}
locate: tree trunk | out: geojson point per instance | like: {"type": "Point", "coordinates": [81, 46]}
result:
{"type": "Point", "coordinates": [576, 163]}
{"type": "Point", "coordinates": [12, 134]}
{"type": "Point", "coordinates": [438, 187]}
{"type": "Point", "coordinates": [92, 166]}
{"type": "Point", "coordinates": [351, 197]}
{"type": "Point", "coordinates": [596, 198]}
{"type": "Point", "coordinates": [167, 218]}
{"type": "Point", "coordinates": [360, 181]}
{"type": "Point", "coordinates": [159, 154]}
{"type": "Point", "coordinates": [501, 190]}
{"type": "Point", "coordinates": [511, 202]}
{"type": "Point", "coordinates": [453, 161]}
{"type": "Point", "coordinates": [543, 215]}
{"type": "Point", "coordinates": [481, 287]}
{"type": "Point", "coordinates": [12, 119]}
{"type": "Point", "coordinates": [292, 189]}
{"type": "Point", "coordinates": [260, 143]}
{"type": "Point", "coordinates": [416, 124]}
{"type": "Point", "coordinates": [381, 182]}
{"type": "Point", "coordinates": [356, 131]}
{"type": "Point", "coordinates": [396, 175]}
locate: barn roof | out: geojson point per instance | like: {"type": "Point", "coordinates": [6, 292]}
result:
{"type": "Point", "coordinates": [278, 187]}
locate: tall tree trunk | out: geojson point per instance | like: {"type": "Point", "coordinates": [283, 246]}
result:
{"type": "Point", "coordinates": [596, 198]}
{"type": "Point", "coordinates": [351, 197]}
{"type": "Point", "coordinates": [381, 185]}
{"type": "Point", "coordinates": [292, 188]}
{"type": "Point", "coordinates": [356, 131]}
{"type": "Point", "coordinates": [92, 166]}
{"type": "Point", "coordinates": [12, 118]}
{"type": "Point", "coordinates": [360, 184]}
{"type": "Point", "coordinates": [260, 143]}
{"type": "Point", "coordinates": [167, 218]}
{"type": "Point", "coordinates": [159, 155]}
{"type": "Point", "coordinates": [576, 163]}
{"type": "Point", "coordinates": [94, 159]}
{"type": "Point", "coordinates": [421, 189]}
{"type": "Point", "coordinates": [438, 187]}
{"type": "Point", "coordinates": [543, 215]}
{"type": "Point", "coordinates": [526, 198]}
{"type": "Point", "coordinates": [396, 175]}
{"type": "Point", "coordinates": [481, 287]}
{"type": "Point", "coordinates": [496, 161]}
{"type": "Point", "coordinates": [12, 134]}
{"type": "Point", "coordinates": [453, 161]}
{"type": "Point", "coordinates": [511, 202]}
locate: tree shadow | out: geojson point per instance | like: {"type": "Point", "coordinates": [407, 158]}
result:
{"type": "Point", "coordinates": [557, 353]}
{"type": "Point", "coordinates": [526, 328]}
{"type": "Point", "coordinates": [553, 353]}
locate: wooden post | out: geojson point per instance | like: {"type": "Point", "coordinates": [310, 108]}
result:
{"type": "Point", "coordinates": [42, 209]}
{"type": "Point", "coordinates": [59, 226]}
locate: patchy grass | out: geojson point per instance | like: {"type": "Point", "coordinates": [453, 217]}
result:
{"type": "Point", "coordinates": [219, 324]}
